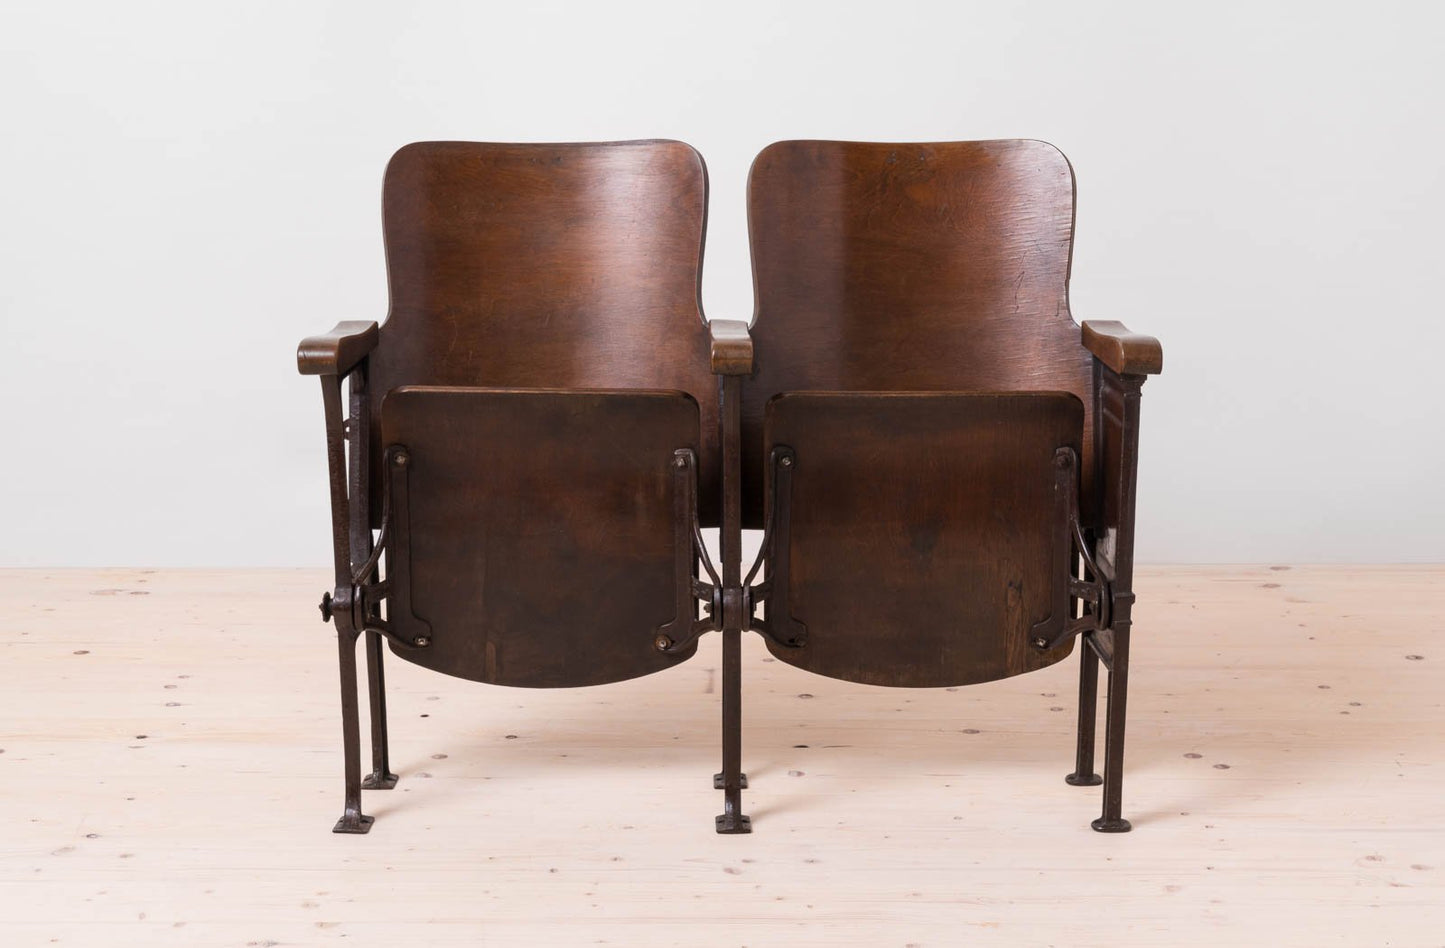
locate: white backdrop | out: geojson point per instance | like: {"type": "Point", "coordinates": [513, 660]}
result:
{"type": "Point", "coordinates": [189, 188]}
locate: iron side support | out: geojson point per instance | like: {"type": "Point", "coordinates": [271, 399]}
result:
{"type": "Point", "coordinates": [339, 610]}
{"type": "Point", "coordinates": [1084, 775]}
{"type": "Point", "coordinates": [734, 618]}
{"type": "Point", "coordinates": [1117, 426]}
{"type": "Point", "coordinates": [359, 431]}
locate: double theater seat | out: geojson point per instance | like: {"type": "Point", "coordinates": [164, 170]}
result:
{"type": "Point", "coordinates": [524, 453]}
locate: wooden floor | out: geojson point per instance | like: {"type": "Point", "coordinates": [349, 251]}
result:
{"type": "Point", "coordinates": [171, 770]}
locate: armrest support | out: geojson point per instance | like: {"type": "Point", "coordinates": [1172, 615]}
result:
{"type": "Point", "coordinates": [732, 347]}
{"type": "Point", "coordinates": [1127, 353]}
{"type": "Point", "coordinates": [338, 351]}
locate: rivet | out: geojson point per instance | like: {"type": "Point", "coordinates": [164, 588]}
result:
{"type": "Point", "coordinates": [421, 641]}
{"type": "Point", "coordinates": [663, 643]}
{"type": "Point", "coordinates": [399, 459]}
{"type": "Point", "coordinates": [680, 462]}
{"type": "Point", "coordinates": [786, 462]}
{"type": "Point", "coordinates": [1041, 642]}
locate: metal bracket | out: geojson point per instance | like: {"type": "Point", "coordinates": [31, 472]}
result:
{"type": "Point", "coordinates": [362, 599]}
{"type": "Point", "coordinates": [360, 603]}
{"type": "Point", "coordinates": [779, 627]}
{"type": "Point", "coordinates": [398, 560]}
{"type": "Point", "coordinates": [1093, 587]}
{"type": "Point", "coordinates": [687, 626]}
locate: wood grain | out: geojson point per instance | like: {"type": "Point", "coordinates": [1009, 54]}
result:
{"type": "Point", "coordinates": [169, 757]}
{"type": "Point", "coordinates": [1121, 349]}
{"type": "Point", "coordinates": [732, 347]}
{"type": "Point", "coordinates": [548, 266]}
{"type": "Point", "coordinates": [337, 352]}
{"type": "Point", "coordinates": [536, 561]}
{"type": "Point", "coordinates": [921, 267]}
{"type": "Point", "coordinates": [922, 533]}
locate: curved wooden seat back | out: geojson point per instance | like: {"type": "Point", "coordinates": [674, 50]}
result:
{"type": "Point", "coordinates": [568, 266]}
{"type": "Point", "coordinates": [922, 268]}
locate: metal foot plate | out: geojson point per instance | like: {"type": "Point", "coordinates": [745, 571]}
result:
{"type": "Point", "coordinates": [358, 824]}
{"type": "Point", "coordinates": [1102, 825]}
{"type": "Point", "coordinates": [1074, 780]}
{"type": "Point", "coordinates": [728, 825]}
{"type": "Point", "coordinates": [376, 781]}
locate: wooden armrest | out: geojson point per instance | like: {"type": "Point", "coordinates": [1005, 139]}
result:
{"type": "Point", "coordinates": [732, 347]}
{"type": "Point", "coordinates": [338, 351]}
{"type": "Point", "coordinates": [1128, 353]}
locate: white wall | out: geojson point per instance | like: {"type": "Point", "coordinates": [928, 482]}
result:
{"type": "Point", "coordinates": [189, 188]}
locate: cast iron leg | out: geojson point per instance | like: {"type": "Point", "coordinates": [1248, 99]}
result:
{"type": "Point", "coordinates": [381, 777]}
{"type": "Point", "coordinates": [1112, 821]}
{"type": "Point", "coordinates": [732, 819]}
{"type": "Point", "coordinates": [730, 538]}
{"type": "Point", "coordinates": [1083, 775]}
{"type": "Point", "coordinates": [352, 820]}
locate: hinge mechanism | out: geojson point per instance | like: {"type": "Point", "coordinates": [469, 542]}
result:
{"type": "Point", "coordinates": [360, 601]}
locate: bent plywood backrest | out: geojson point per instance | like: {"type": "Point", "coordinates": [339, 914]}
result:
{"type": "Point", "coordinates": [890, 268]}
{"type": "Point", "coordinates": [569, 266]}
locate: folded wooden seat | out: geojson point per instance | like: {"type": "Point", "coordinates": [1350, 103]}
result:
{"type": "Point", "coordinates": [924, 538]}
{"type": "Point", "coordinates": [532, 531]}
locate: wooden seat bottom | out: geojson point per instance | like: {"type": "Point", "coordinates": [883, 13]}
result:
{"type": "Point", "coordinates": [533, 530]}
{"type": "Point", "coordinates": [922, 535]}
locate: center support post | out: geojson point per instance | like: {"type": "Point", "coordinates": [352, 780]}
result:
{"type": "Point", "coordinates": [731, 780]}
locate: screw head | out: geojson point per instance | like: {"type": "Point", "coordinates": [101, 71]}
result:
{"type": "Point", "coordinates": [785, 461]}
{"type": "Point", "coordinates": [679, 462]}
{"type": "Point", "coordinates": [1041, 642]}
{"type": "Point", "coordinates": [662, 642]}
{"type": "Point", "coordinates": [421, 641]}
{"type": "Point", "coordinates": [400, 458]}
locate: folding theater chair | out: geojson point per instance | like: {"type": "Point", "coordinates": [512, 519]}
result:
{"type": "Point", "coordinates": [943, 461]}
{"type": "Point", "coordinates": [531, 438]}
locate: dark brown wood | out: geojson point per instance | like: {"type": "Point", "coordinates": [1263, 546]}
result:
{"type": "Point", "coordinates": [574, 267]}
{"type": "Point", "coordinates": [338, 351]}
{"type": "Point", "coordinates": [925, 268]}
{"type": "Point", "coordinates": [550, 422]}
{"type": "Point", "coordinates": [548, 266]}
{"type": "Point", "coordinates": [924, 542]}
{"type": "Point", "coordinates": [935, 268]}
{"type": "Point", "coordinates": [732, 347]}
{"type": "Point", "coordinates": [1126, 352]}
{"type": "Point", "coordinates": [539, 531]}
